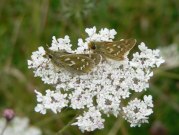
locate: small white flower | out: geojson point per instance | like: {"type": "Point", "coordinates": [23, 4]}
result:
{"type": "Point", "coordinates": [82, 46]}
{"type": "Point", "coordinates": [61, 44]}
{"type": "Point", "coordinates": [37, 58]}
{"type": "Point", "coordinates": [53, 100]}
{"type": "Point", "coordinates": [148, 100]}
{"type": "Point", "coordinates": [137, 111]}
{"type": "Point", "coordinates": [90, 120]}
{"type": "Point", "coordinates": [80, 99]}
{"type": "Point", "coordinates": [108, 103]}
{"type": "Point", "coordinates": [90, 31]}
{"type": "Point", "coordinates": [106, 34]}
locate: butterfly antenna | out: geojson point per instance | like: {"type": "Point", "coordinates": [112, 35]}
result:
{"type": "Point", "coordinates": [47, 45]}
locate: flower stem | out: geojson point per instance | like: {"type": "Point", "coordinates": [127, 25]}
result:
{"type": "Point", "coordinates": [117, 125]}
{"type": "Point", "coordinates": [3, 130]}
{"type": "Point", "coordinates": [66, 126]}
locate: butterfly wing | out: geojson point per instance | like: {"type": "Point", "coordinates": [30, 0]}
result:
{"type": "Point", "coordinates": [97, 58]}
{"type": "Point", "coordinates": [118, 49]}
{"type": "Point", "coordinates": [77, 63]}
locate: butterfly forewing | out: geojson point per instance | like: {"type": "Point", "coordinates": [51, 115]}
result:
{"type": "Point", "coordinates": [118, 49]}
{"type": "Point", "coordinates": [75, 63]}
{"type": "Point", "coordinates": [114, 50]}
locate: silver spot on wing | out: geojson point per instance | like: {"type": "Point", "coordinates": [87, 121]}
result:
{"type": "Point", "coordinates": [72, 63]}
{"type": "Point", "coordinates": [82, 60]}
{"type": "Point", "coordinates": [67, 59]}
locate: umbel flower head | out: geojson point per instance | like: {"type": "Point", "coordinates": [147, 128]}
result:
{"type": "Point", "coordinates": [101, 91]}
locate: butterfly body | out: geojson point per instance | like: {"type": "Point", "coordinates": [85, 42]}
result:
{"type": "Point", "coordinates": [116, 50]}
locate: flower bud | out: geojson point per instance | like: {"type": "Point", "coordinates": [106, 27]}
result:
{"type": "Point", "coordinates": [8, 114]}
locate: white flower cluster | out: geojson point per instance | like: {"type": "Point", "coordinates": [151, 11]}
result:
{"type": "Point", "coordinates": [19, 126]}
{"type": "Point", "coordinates": [90, 120]}
{"type": "Point", "coordinates": [52, 100]}
{"type": "Point", "coordinates": [137, 111]}
{"type": "Point", "coordinates": [100, 91]}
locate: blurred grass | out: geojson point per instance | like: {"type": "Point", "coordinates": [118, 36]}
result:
{"type": "Point", "coordinates": [25, 25]}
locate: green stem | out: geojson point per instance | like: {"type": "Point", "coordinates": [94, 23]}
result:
{"type": "Point", "coordinates": [116, 127]}
{"type": "Point", "coordinates": [66, 126]}
{"type": "Point", "coordinates": [49, 119]}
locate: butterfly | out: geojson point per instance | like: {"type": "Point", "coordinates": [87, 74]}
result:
{"type": "Point", "coordinates": [116, 50]}
{"type": "Point", "coordinates": [74, 63]}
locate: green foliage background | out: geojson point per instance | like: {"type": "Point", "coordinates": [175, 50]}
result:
{"type": "Point", "coordinates": [27, 24]}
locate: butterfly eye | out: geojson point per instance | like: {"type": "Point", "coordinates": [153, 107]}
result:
{"type": "Point", "coordinates": [50, 56]}
{"type": "Point", "coordinates": [92, 46]}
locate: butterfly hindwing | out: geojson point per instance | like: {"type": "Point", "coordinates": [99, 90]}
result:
{"type": "Point", "coordinates": [97, 58]}
{"type": "Point", "coordinates": [78, 63]}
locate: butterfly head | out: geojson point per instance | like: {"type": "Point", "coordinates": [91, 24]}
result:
{"type": "Point", "coordinates": [92, 46]}
{"type": "Point", "coordinates": [49, 53]}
